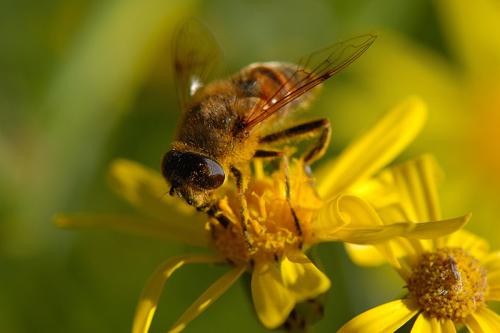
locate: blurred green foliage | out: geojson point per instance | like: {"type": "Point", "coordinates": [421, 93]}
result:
{"type": "Point", "coordinates": [84, 82]}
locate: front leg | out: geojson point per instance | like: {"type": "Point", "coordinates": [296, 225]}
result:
{"type": "Point", "coordinates": [214, 211]}
{"type": "Point", "coordinates": [241, 185]}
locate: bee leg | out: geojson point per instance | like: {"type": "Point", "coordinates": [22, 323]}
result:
{"type": "Point", "coordinates": [267, 154]}
{"type": "Point", "coordinates": [214, 211]}
{"type": "Point", "coordinates": [284, 161]}
{"type": "Point", "coordinates": [241, 186]}
{"type": "Point", "coordinates": [316, 128]}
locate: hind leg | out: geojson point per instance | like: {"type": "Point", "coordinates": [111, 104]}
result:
{"type": "Point", "coordinates": [319, 129]}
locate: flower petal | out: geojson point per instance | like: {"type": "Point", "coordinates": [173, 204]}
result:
{"type": "Point", "coordinates": [492, 262]}
{"type": "Point", "coordinates": [272, 300]}
{"type": "Point", "coordinates": [434, 229]}
{"type": "Point", "coordinates": [364, 255]}
{"type": "Point", "coordinates": [492, 265]}
{"type": "Point", "coordinates": [138, 225]}
{"type": "Point", "coordinates": [483, 321]}
{"type": "Point", "coordinates": [391, 251]}
{"type": "Point", "coordinates": [493, 279]}
{"type": "Point", "coordinates": [447, 326]}
{"type": "Point", "coordinates": [425, 324]}
{"type": "Point", "coordinates": [148, 300]}
{"type": "Point", "coordinates": [375, 149]}
{"type": "Point", "coordinates": [416, 181]}
{"type": "Point", "coordinates": [373, 235]}
{"type": "Point", "coordinates": [305, 280]}
{"type": "Point", "coordinates": [383, 318]}
{"type": "Point", "coordinates": [355, 221]}
{"type": "Point", "coordinates": [345, 210]}
{"type": "Point", "coordinates": [368, 235]}
{"type": "Point", "coordinates": [210, 295]}
{"type": "Point", "coordinates": [476, 246]}
{"type": "Point", "coordinates": [145, 189]}
{"type": "Point", "coordinates": [381, 192]}
{"type": "Point", "coordinates": [405, 191]}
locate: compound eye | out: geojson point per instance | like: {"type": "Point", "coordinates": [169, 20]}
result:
{"type": "Point", "coordinates": [210, 174]}
{"type": "Point", "coordinates": [192, 169]}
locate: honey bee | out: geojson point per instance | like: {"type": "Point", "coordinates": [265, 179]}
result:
{"type": "Point", "coordinates": [227, 123]}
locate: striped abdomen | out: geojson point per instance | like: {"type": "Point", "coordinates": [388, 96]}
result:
{"type": "Point", "coordinates": [271, 80]}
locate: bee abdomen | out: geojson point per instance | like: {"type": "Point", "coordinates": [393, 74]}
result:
{"type": "Point", "coordinates": [270, 80]}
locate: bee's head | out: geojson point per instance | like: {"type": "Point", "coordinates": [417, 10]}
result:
{"type": "Point", "coordinates": [191, 175]}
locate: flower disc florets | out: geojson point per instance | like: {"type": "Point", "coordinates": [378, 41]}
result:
{"type": "Point", "coordinates": [448, 283]}
{"type": "Point", "coordinates": [272, 229]}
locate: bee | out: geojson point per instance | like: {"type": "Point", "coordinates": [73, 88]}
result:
{"type": "Point", "coordinates": [227, 123]}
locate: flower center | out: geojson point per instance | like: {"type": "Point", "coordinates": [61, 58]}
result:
{"type": "Point", "coordinates": [271, 228]}
{"type": "Point", "coordinates": [448, 283]}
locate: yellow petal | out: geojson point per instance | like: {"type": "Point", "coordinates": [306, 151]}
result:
{"type": "Point", "coordinates": [364, 255]}
{"type": "Point", "coordinates": [483, 321]}
{"type": "Point", "coordinates": [372, 235]}
{"type": "Point", "coordinates": [145, 189]}
{"type": "Point", "coordinates": [492, 265]}
{"type": "Point", "coordinates": [380, 191]}
{"type": "Point", "coordinates": [473, 29]}
{"type": "Point", "coordinates": [210, 295]}
{"type": "Point", "coordinates": [182, 232]}
{"type": "Point", "coordinates": [383, 318]}
{"type": "Point", "coordinates": [434, 229]}
{"type": "Point", "coordinates": [405, 191]}
{"type": "Point", "coordinates": [272, 300]}
{"type": "Point", "coordinates": [492, 262]}
{"type": "Point", "coordinates": [149, 298]}
{"type": "Point", "coordinates": [355, 221]}
{"type": "Point", "coordinates": [342, 211]}
{"type": "Point", "coordinates": [390, 251]}
{"type": "Point", "coordinates": [368, 235]}
{"type": "Point", "coordinates": [395, 249]}
{"type": "Point", "coordinates": [425, 324]}
{"type": "Point", "coordinates": [476, 246]}
{"type": "Point", "coordinates": [494, 286]}
{"type": "Point", "coordinates": [305, 280]}
{"type": "Point", "coordinates": [375, 149]}
{"type": "Point", "coordinates": [297, 256]}
{"type": "Point", "coordinates": [347, 216]}
{"type": "Point", "coordinates": [416, 181]}
{"type": "Point", "coordinates": [447, 326]}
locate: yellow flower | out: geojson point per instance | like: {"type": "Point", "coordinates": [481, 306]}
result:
{"type": "Point", "coordinates": [274, 244]}
{"type": "Point", "coordinates": [449, 279]}
{"type": "Point", "coordinates": [463, 95]}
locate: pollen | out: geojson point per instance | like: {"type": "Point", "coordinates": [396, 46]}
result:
{"type": "Point", "coordinates": [448, 284]}
{"type": "Point", "coordinates": [271, 228]}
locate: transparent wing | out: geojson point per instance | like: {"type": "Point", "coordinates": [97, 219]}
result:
{"type": "Point", "coordinates": [311, 71]}
{"type": "Point", "coordinates": [195, 56]}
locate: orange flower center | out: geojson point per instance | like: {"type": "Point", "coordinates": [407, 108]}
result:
{"type": "Point", "coordinates": [271, 228]}
{"type": "Point", "coordinates": [448, 283]}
